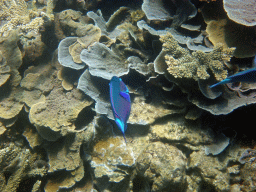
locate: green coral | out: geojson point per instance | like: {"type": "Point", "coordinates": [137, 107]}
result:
{"type": "Point", "coordinates": [195, 65]}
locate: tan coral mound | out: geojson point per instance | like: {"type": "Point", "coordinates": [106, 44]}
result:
{"type": "Point", "coordinates": [59, 112]}
{"type": "Point", "coordinates": [162, 165]}
{"type": "Point", "coordinates": [11, 106]}
{"type": "Point", "coordinates": [181, 63]}
{"type": "Point", "coordinates": [145, 113]}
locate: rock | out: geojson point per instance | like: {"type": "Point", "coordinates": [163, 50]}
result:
{"type": "Point", "coordinates": [164, 166]}
{"type": "Point", "coordinates": [211, 170]}
{"type": "Point", "coordinates": [111, 162]}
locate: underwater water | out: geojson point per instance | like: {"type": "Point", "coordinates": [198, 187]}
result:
{"type": "Point", "coordinates": [108, 95]}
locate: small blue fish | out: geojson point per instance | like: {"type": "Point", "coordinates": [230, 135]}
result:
{"type": "Point", "coordinates": [243, 76]}
{"type": "Point", "coordinates": [120, 102]}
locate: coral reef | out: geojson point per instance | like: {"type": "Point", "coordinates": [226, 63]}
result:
{"type": "Point", "coordinates": [248, 176]}
{"type": "Point", "coordinates": [231, 34]}
{"type": "Point", "coordinates": [52, 124]}
{"type": "Point", "coordinates": [69, 23]}
{"type": "Point", "coordinates": [27, 22]}
{"type": "Point", "coordinates": [155, 10]}
{"type": "Point", "coordinates": [193, 43]}
{"type": "Point", "coordinates": [57, 129]}
{"type": "Point", "coordinates": [210, 168]}
{"type": "Point", "coordinates": [100, 55]}
{"type": "Point", "coordinates": [109, 28]}
{"type": "Point", "coordinates": [179, 11]}
{"type": "Point", "coordinates": [218, 147]}
{"type": "Point", "coordinates": [179, 130]}
{"type": "Point", "coordinates": [111, 160]}
{"type": "Point", "coordinates": [180, 63]}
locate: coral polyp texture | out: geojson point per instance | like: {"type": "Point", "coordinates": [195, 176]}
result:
{"type": "Point", "coordinates": [181, 63]}
{"type": "Point", "coordinates": [241, 12]}
{"type": "Point", "coordinates": [16, 15]}
{"type": "Point", "coordinates": [58, 129]}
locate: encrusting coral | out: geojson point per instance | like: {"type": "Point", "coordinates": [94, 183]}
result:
{"type": "Point", "coordinates": [162, 165]}
{"type": "Point", "coordinates": [19, 163]}
{"type": "Point", "coordinates": [195, 65]}
{"type": "Point", "coordinates": [52, 124]}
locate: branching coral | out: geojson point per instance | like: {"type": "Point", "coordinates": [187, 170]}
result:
{"type": "Point", "coordinates": [15, 14]}
{"type": "Point", "coordinates": [18, 162]}
{"type": "Point", "coordinates": [11, 12]}
{"type": "Point", "coordinates": [182, 63]}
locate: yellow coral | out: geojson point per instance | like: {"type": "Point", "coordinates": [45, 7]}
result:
{"type": "Point", "coordinates": [137, 15]}
{"type": "Point", "coordinates": [182, 63]}
{"type": "Point", "coordinates": [15, 15]}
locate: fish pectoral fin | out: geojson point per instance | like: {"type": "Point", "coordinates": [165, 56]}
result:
{"type": "Point", "coordinates": [125, 95]}
{"type": "Point", "coordinates": [228, 80]}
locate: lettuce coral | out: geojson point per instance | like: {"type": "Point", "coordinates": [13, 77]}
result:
{"type": "Point", "coordinates": [4, 70]}
{"type": "Point", "coordinates": [196, 65]}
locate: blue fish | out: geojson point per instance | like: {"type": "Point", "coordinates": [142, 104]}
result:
{"type": "Point", "coordinates": [120, 103]}
{"type": "Point", "coordinates": [243, 76]}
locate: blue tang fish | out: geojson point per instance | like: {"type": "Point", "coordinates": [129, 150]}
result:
{"type": "Point", "coordinates": [120, 102]}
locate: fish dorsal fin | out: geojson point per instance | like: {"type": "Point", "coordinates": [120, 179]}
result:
{"type": "Point", "coordinates": [125, 95]}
